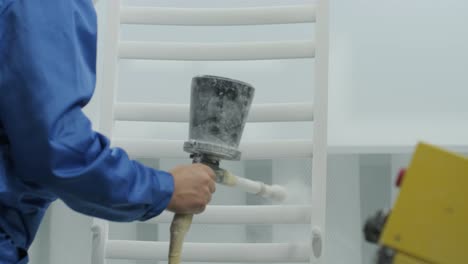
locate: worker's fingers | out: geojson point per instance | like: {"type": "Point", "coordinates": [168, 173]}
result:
{"type": "Point", "coordinates": [207, 195]}
{"type": "Point", "coordinates": [212, 186]}
{"type": "Point", "coordinates": [200, 210]}
{"type": "Point", "coordinates": [209, 171]}
{"type": "Point", "coordinates": [194, 186]}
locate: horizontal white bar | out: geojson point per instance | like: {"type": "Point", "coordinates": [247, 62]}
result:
{"type": "Point", "coordinates": [390, 148]}
{"type": "Point", "coordinates": [211, 252]}
{"type": "Point", "coordinates": [216, 51]}
{"type": "Point", "coordinates": [218, 16]}
{"type": "Point", "coordinates": [255, 215]}
{"type": "Point", "coordinates": [151, 112]}
{"type": "Point", "coordinates": [282, 112]}
{"type": "Point", "coordinates": [153, 148]}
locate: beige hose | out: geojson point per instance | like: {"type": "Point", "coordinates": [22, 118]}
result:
{"type": "Point", "coordinates": [179, 227]}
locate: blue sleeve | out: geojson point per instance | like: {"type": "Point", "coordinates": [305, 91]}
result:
{"type": "Point", "coordinates": [47, 74]}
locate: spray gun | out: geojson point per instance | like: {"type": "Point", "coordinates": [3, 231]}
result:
{"type": "Point", "coordinates": [218, 112]}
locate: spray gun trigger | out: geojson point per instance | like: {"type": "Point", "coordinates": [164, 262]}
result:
{"type": "Point", "coordinates": [213, 163]}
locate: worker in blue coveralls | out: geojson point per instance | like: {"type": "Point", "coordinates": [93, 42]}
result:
{"type": "Point", "coordinates": [48, 149]}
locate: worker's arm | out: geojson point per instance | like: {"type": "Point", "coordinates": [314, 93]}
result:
{"type": "Point", "coordinates": [47, 74]}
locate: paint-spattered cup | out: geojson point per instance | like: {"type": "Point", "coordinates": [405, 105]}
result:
{"type": "Point", "coordinates": [218, 111]}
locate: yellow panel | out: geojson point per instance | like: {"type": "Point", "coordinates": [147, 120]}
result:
{"type": "Point", "coordinates": [404, 259]}
{"type": "Point", "coordinates": [430, 218]}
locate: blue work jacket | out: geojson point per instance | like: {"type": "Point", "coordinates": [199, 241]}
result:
{"type": "Point", "coordinates": [48, 149]}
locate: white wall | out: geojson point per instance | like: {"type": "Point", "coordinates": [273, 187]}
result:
{"type": "Point", "coordinates": [398, 74]}
{"type": "Point", "coordinates": [398, 69]}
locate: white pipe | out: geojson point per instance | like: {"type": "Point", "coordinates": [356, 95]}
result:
{"type": "Point", "coordinates": [251, 214]}
{"type": "Point", "coordinates": [149, 148]}
{"type": "Point", "coordinates": [221, 51]}
{"type": "Point", "coordinates": [211, 252]}
{"type": "Point", "coordinates": [282, 112]}
{"type": "Point", "coordinates": [152, 112]}
{"type": "Point", "coordinates": [319, 177]}
{"type": "Point", "coordinates": [100, 230]}
{"type": "Point", "coordinates": [218, 16]}
{"type": "Point", "coordinates": [153, 148]}
{"type": "Point", "coordinates": [277, 149]}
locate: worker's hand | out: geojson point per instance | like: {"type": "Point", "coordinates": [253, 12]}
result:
{"type": "Point", "coordinates": [194, 185]}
